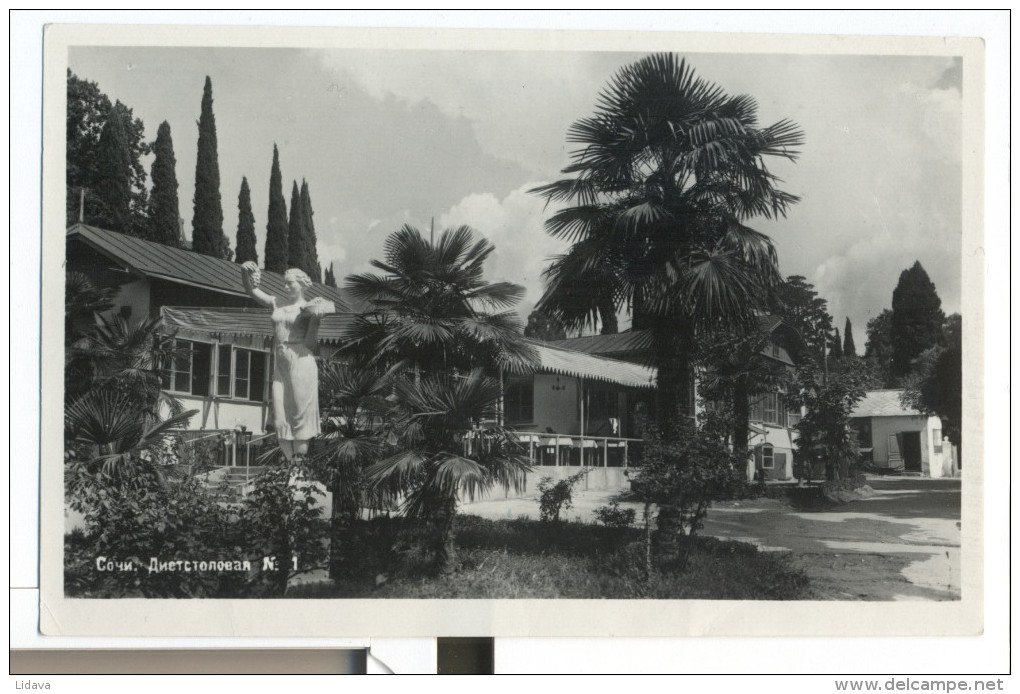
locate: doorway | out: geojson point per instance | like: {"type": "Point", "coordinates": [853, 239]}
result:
{"type": "Point", "coordinates": [911, 447]}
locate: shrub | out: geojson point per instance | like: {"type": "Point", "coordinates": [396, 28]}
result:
{"type": "Point", "coordinates": [685, 468]}
{"type": "Point", "coordinates": [282, 519]}
{"type": "Point", "coordinates": [558, 496]}
{"type": "Point", "coordinates": [612, 516]}
{"type": "Point", "coordinates": [175, 521]}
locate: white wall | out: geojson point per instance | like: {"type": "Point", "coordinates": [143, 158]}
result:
{"type": "Point", "coordinates": [882, 427]}
{"type": "Point", "coordinates": [937, 460]}
{"type": "Point", "coordinates": [225, 414]}
{"type": "Point", "coordinates": [782, 442]}
{"type": "Point", "coordinates": [556, 404]}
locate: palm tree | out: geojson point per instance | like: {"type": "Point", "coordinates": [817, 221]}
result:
{"type": "Point", "coordinates": [434, 310]}
{"type": "Point", "coordinates": [447, 450]}
{"type": "Point", "coordinates": [113, 448]}
{"type": "Point", "coordinates": [668, 168]}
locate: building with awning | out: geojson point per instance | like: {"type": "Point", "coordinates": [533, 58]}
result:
{"type": "Point", "coordinates": [576, 402]}
{"type": "Point", "coordinates": [772, 420]}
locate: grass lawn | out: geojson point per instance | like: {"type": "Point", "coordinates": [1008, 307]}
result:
{"type": "Point", "coordinates": [530, 559]}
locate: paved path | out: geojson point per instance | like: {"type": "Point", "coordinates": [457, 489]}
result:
{"type": "Point", "coordinates": [903, 543]}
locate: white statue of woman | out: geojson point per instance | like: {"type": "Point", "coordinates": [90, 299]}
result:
{"type": "Point", "coordinates": [295, 374]}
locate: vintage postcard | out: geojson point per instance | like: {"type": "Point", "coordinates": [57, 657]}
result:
{"type": "Point", "coordinates": [516, 333]}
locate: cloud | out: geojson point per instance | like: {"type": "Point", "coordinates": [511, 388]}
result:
{"type": "Point", "coordinates": [515, 225]}
{"type": "Point", "coordinates": [519, 103]}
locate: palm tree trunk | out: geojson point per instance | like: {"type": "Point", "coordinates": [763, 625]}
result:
{"type": "Point", "coordinates": [607, 316]}
{"type": "Point", "coordinates": [741, 417]}
{"type": "Point", "coordinates": [673, 349]}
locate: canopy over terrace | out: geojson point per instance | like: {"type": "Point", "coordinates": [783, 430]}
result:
{"type": "Point", "coordinates": [558, 360]}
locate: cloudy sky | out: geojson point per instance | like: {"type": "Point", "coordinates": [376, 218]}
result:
{"type": "Point", "coordinates": [392, 137]}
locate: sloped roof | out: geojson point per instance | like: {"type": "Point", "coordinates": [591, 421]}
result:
{"type": "Point", "coordinates": [883, 403]}
{"type": "Point", "coordinates": [555, 359]}
{"type": "Point", "coordinates": [619, 343]}
{"type": "Point", "coordinates": [636, 341]}
{"type": "Point", "coordinates": [151, 259]}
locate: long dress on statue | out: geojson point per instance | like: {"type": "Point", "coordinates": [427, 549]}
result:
{"type": "Point", "coordinates": [295, 374]}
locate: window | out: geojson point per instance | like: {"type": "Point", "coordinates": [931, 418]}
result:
{"type": "Point", "coordinates": [238, 373]}
{"type": "Point", "coordinates": [768, 460]}
{"type": "Point", "coordinates": [771, 408]}
{"type": "Point", "coordinates": [518, 401]}
{"type": "Point", "coordinates": [241, 373]}
{"type": "Point", "coordinates": [767, 409]}
{"type": "Point", "coordinates": [189, 369]}
{"type": "Point", "coordinates": [757, 413]}
{"type": "Point", "coordinates": [792, 416]}
{"type": "Point", "coordinates": [862, 426]}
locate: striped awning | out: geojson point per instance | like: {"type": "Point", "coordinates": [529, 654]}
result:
{"type": "Point", "coordinates": [251, 323]}
{"type": "Point", "coordinates": [578, 364]}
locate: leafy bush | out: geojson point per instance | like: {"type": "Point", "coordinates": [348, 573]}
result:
{"type": "Point", "coordinates": [557, 496]}
{"type": "Point", "coordinates": [684, 469]}
{"type": "Point", "coordinates": [179, 521]}
{"type": "Point", "coordinates": [282, 519]}
{"type": "Point", "coordinates": [175, 521]}
{"type": "Point", "coordinates": [612, 516]}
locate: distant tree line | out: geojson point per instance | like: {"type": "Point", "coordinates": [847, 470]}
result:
{"type": "Point", "coordinates": [107, 186]}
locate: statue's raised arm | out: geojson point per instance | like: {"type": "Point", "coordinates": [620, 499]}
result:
{"type": "Point", "coordinates": [251, 277]}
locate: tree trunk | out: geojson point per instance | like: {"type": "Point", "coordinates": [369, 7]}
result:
{"type": "Point", "coordinates": [672, 345]}
{"type": "Point", "coordinates": [441, 542]}
{"type": "Point", "coordinates": [340, 523]}
{"type": "Point", "coordinates": [607, 316]}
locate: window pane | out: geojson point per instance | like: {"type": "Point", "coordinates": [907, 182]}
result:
{"type": "Point", "coordinates": [241, 374]}
{"type": "Point", "coordinates": [757, 410]}
{"type": "Point", "coordinates": [793, 417]}
{"type": "Point", "coordinates": [223, 372]}
{"type": "Point", "coordinates": [182, 356]}
{"type": "Point", "coordinates": [257, 385]}
{"type": "Point", "coordinates": [180, 366]}
{"type": "Point", "coordinates": [201, 367]}
{"type": "Point", "coordinates": [770, 409]}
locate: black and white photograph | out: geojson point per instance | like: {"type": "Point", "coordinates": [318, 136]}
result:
{"type": "Point", "coordinates": [476, 329]}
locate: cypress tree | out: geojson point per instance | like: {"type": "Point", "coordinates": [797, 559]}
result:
{"type": "Point", "coordinates": [330, 278]}
{"type": "Point", "coordinates": [878, 347]}
{"type": "Point", "coordinates": [313, 268]}
{"type": "Point", "coordinates": [296, 232]}
{"type": "Point", "coordinates": [207, 222]}
{"type": "Point", "coordinates": [246, 249]}
{"type": "Point", "coordinates": [917, 318]}
{"type": "Point", "coordinates": [849, 348]}
{"type": "Point", "coordinates": [276, 223]}
{"type": "Point", "coordinates": [836, 347]}
{"type": "Point", "coordinates": [164, 207]}
{"type": "Point", "coordinates": [113, 176]}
